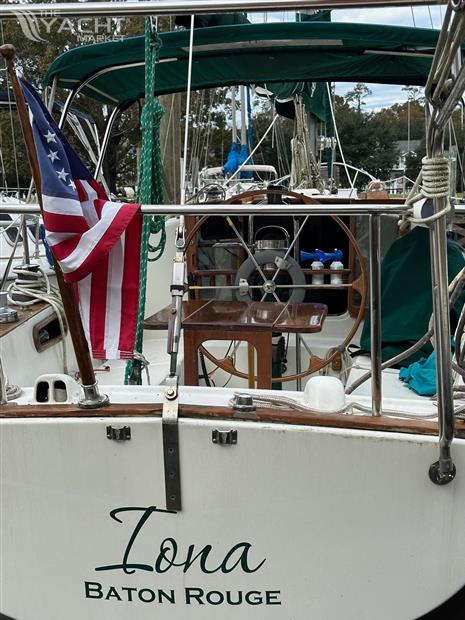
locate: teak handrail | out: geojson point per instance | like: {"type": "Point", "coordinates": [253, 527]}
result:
{"type": "Point", "coordinates": [265, 415]}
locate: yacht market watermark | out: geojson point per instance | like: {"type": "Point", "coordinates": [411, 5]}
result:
{"type": "Point", "coordinates": [39, 28]}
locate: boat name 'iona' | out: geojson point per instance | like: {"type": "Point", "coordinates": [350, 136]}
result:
{"type": "Point", "coordinates": [169, 555]}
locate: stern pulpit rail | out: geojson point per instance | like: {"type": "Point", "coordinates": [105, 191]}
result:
{"type": "Point", "coordinates": [329, 208]}
{"type": "Point", "coordinates": [444, 91]}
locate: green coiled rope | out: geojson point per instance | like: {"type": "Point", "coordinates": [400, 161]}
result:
{"type": "Point", "coordinates": [150, 189]}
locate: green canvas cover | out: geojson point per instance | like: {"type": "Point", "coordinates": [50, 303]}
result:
{"type": "Point", "coordinates": [251, 54]}
{"type": "Point", "coordinates": [314, 95]}
{"type": "Point", "coordinates": [406, 298]}
{"type": "Point", "coordinates": [318, 100]}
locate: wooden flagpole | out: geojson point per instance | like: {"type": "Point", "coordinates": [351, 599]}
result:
{"type": "Point", "coordinates": [92, 398]}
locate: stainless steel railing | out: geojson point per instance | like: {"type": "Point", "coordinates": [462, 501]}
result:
{"type": "Point", "coordinates": [440, 307]}
{"type": "Point", "coordinates": [184, 7]}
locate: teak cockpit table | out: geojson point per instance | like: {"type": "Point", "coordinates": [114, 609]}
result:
{"type": "Point", "coordinates": [253, 322]}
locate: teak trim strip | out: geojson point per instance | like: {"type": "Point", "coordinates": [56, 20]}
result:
{"type": "Point", "coordinates": [263, 415]}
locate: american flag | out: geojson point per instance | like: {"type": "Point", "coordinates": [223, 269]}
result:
{"type": "Point", "coordinates": [95, 241]}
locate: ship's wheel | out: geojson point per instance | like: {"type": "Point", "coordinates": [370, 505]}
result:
{"type": "Point", "coordinates": [269, 287]}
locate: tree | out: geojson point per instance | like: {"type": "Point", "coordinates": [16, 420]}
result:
{"type": "Point", "coordinates": [14, 166]}
{"type": "Point", "coordinates": [413, 162]}
{"type": "Point", "coordinates": [357, 95]}
{"type": "Point", "coordinates": [34, 56]}
{"type": "Point", "coordinates": [367, 140]}
{"type": "Point", "coordinates": [398, 116]}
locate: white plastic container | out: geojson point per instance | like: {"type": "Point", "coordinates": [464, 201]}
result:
{"type": "Point", "coordinates": [320, 278]}
{"type": "Point", "coordinates": [325, 394]}
{"type": "Point", "coordinates": [336, 278]}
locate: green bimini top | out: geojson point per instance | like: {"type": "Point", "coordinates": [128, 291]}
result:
{"type": "Point", "coordinates": [266, 54]}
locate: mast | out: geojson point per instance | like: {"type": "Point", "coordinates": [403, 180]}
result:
{"type": "Point", "coordinates": [244, 150]}
{"type": "Point", "coordinates": [233, 112]}
{"type": "Point", "coordinates": [243, 121]}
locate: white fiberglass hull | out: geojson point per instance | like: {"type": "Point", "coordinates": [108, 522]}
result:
{"type": "Point", "coordinates": [292, 522]}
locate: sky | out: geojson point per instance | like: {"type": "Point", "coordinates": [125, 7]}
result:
{"type": "Point", "coordinates": [419, 16]}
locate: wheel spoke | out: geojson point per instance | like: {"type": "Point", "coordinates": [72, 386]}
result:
{"type": "Point", "coordinates": [288, 251]}
{"type": "Point", "coordinates": [251, 256]}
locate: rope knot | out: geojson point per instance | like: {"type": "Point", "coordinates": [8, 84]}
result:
{"type": "Point", "coordinates": [158, 110]}
{"type": "Point", "coordinates": [156, 224]}
{"type": "Point", "coordinates": [156, 43]}
{"type": "Point", "coordinates": [435, 177]}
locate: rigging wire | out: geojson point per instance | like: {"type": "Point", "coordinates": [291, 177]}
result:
{"type": "Point", "coordinates": [257, 137]}
{"type": "Point", "coordinates": [333, 116]}
{"type": "Point", "coordinates": [284, 166]}
{"type": "Point", "coordinates": [207, 134]}
{"type": "Point", "coordinates": [2, 161]}
{"type": "Point", "coordinates": [430, 16]}
{"type": "Point", "coordinates": [168, 122]}
{"type": "Point", "coordinates": [196, 134]}
{"type": "Point", "coordinates": [12, 253]}
{"type": "Point", "coordinates": [459, 159]}
{"type": "Point", "coordinates": [188, 106]}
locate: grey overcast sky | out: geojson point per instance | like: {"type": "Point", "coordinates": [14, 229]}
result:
{"type": "Point", "coordinates": [419, 16]}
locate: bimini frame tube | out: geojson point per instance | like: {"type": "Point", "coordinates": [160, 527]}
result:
{"type": "Point", "coordinates": [79, 87]}
{"type": "Point", "coordinates": [67, 105]}
{"type": "Point", "coordinates": [106, 138]}
{"type": "Point", "coordinates": [185, 7]}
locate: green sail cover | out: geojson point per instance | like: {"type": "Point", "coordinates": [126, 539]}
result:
{"type": "Point", "coordinates": [406, 298]}
{"type": "Point", "coordinates": [317, 99]}
{"type": "Point", "coordinates": [314, 94]}
{"type": "Point", "coordinates": [113, 72]}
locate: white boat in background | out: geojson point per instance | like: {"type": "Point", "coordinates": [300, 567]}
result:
{"type": "Point", "coordinates": [341, 495]}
